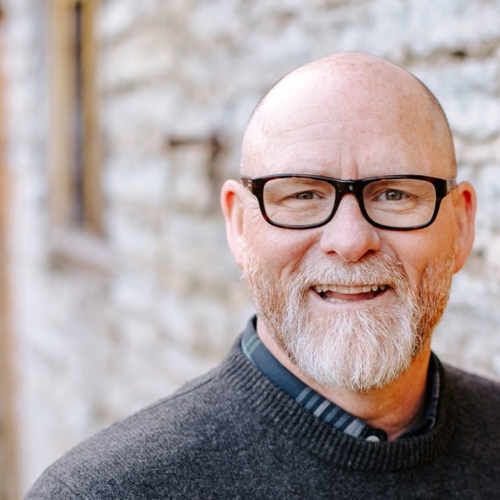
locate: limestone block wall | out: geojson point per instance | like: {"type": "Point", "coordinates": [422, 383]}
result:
{"type": "Point", "coordinates": [177, 82]}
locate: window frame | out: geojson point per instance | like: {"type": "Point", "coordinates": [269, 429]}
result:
{"type": "Point", "coordinates": [62, 101]}
{"type": "Point", "coordinates": [77, 239]}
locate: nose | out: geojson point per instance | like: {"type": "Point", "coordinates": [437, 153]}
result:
{"type": "Point", "coordinates": [349, 234]}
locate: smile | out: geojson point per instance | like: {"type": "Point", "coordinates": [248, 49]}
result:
{"type": "Point", "coordinates": [336, 294]}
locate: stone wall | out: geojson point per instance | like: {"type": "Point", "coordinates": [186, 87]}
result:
{"type": "Point", "coordinates": [177, 82]}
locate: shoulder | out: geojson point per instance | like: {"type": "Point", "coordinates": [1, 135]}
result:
{"type": "Point", "coordinates": [474, 406]}
{"type": "Point", "coordinates": [471, 384]}
{"type": "Point", "coordinates": [478, 398]}
{"type": "Point", "coordinates": [153, 448]}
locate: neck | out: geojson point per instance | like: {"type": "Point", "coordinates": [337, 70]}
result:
{"type": "Point", "coordinates": [394, 408]}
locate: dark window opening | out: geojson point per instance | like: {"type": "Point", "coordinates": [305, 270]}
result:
{"type": "Point", "coordinates": [78, 208]}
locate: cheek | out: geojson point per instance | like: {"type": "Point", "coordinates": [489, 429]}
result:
{"type": "Point", "coordinates": [278, 250]}
{"type": "Point", "coordinates": [424, 249]}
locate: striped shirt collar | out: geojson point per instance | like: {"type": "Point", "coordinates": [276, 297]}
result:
{"type": "Point", "coordinates": [320, 407]}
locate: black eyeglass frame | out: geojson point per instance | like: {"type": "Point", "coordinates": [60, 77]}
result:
{"type": "Point", "coordinates": [442, 187]}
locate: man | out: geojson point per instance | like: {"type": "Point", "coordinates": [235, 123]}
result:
{"type": "Point", "coordinates": [348, 225]}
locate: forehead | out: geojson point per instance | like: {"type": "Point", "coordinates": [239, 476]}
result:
{"type": "Point", "coordinates": [342, 130]}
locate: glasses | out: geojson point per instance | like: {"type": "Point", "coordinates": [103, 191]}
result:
{"type": "Point", "coordinates": [398, 202]}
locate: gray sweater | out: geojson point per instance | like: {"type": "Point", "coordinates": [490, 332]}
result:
{"type": "Point", "coordinates": [233, 435]}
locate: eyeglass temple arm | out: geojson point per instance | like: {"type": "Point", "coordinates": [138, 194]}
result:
{"type": "Point", "coordinates": [247, 182]}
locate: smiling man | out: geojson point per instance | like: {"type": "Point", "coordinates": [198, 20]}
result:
{"type": "Point", "coordinates": [349, 278]}
{"type": "Point", "coordinates": [348, 224]}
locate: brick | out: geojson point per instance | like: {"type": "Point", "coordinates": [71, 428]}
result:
{"type": "Point", "coordinates": [137, 179]}
{"type": "Point", "coordinates": [138, 59]}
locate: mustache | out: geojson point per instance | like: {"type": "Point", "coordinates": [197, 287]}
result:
{"type": "Point", "coordinates": [370, 270]}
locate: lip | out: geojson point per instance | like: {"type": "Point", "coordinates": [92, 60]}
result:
{"type": "Point", "coordinates": [339, 294]}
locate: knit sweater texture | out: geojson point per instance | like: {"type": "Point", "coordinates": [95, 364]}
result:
{"type": "Point", "coordinates": [232, 434]}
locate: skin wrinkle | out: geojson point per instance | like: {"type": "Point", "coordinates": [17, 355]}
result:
{"type": "Point", "coordinates": [351, 116]}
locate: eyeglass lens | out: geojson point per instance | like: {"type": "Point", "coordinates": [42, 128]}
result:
{"type": "Point", "coordinates": [397, 203]}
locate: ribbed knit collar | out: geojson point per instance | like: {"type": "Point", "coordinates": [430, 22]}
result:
{"type": "Point", "coordinates": [283, 416]}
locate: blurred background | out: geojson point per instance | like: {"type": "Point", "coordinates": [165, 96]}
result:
{"type": "Point", "coordinates": [120, 119]}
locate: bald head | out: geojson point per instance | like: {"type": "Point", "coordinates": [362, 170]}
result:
{"type": "Point", "coordinates": [345, 88]}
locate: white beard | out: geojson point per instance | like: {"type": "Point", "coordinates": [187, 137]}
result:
{"type": "Point", "coordinates": [356, 349]}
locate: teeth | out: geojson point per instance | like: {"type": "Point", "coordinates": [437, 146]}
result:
{"type": "Point", "coordinates": [349, 289]}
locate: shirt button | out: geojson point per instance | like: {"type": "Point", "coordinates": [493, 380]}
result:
{"type": "Point", "coordinates": [374, 439]}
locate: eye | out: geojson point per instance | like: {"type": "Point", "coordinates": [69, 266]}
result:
{"type": "Point", "coordinates": [306, 195]}
{"type": "Point", "coordinates": [392, 195]}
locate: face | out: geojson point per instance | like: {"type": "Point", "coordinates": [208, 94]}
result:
{"type": "Point", "coordinates": [349, 304]}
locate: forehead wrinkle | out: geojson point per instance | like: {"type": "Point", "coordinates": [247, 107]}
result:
{"type": "Point", "coordinates": [324, 127]}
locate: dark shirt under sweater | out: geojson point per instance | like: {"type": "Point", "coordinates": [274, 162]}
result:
{"type": "Point", "coordinates": [232, 434]}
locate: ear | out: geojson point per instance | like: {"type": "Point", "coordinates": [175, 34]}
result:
{"type": "Point", "coordinates": [464, 199]}
{"type": "Point", "coordinates": [233, 208]}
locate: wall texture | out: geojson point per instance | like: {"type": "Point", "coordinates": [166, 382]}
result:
{"type": "Point", "coordinates": [177, 82]}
